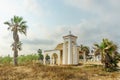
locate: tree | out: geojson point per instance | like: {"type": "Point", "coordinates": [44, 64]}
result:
{"type": "Point", "coordinates": [16, 25]}
{"type": "Point", "coordinates": [109, 54]}
{"type": "Point", "coordinates": [40, 54]}
{"type": "Point", "coordinates": [47, 57]}
{"type": "Point", "coordinates": [84, 50]}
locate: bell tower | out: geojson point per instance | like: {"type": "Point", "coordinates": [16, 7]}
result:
{"type": "Point", "coordinates": [70, 49]}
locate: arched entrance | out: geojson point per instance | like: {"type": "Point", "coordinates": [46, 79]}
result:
{"type": "Point", "coordinates": [54, 58]}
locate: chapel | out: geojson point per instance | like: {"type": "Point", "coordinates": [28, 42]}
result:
{"type": "Point", "coordinates": [66, 53]}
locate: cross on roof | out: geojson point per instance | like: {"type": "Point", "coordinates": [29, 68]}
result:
{"type": "Point", "coordinates": [69, 32]}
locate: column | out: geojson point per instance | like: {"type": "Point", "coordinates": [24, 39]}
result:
{"type": "Point", "coordinates": [59, 58]}
{"type": "Point", "coordinates": [69, 51]}
{"type": "Point", "coordinates": [53, 61]}
{"type": "Point", "coordinates": [64, 53]}
{"type": "Point", "coordinates": [84, 57]}
{"type": "Point", "coordinates": [75, 55]}
{"type": "Point", "coordinates": [44, 60]}
{"type": "Point", "coordinates": [78, 54]}
{"type": "Point", "coordinates": [50, 60]}
{"type": "Point", "coordinates": [94, 57]}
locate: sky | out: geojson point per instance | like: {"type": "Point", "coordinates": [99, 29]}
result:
{"type": "Point", "coordinates": [49, 20]}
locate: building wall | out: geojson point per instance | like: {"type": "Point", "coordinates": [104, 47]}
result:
{"type": "Point", "coordinates": [50, 53]}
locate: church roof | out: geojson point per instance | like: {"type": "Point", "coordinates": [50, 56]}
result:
{"type": "Point", "coordinates": [59, 46]}
{"type": "Point", "coordinates": [69, 35]}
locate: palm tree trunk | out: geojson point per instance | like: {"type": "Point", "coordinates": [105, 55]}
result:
{"type": "Point", "coordinates": [15, 53]}
{"type": "Point", "coordinates": [16, 40]}
{"type": "Point", "coordinates": [15, 57]}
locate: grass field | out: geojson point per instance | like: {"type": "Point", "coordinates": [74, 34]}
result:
{"type": "Point", "coordinates": [36, 71]}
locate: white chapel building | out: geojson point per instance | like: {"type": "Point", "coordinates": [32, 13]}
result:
{"type": "Point", "coordinates": [66, 53]}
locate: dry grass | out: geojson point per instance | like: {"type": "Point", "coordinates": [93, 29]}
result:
{"type": "Point", "coordinates": [36, 71]}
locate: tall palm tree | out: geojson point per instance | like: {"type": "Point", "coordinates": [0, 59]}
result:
{"type": "Point", "coordinates": [16, 25]}
{"type": "Point", "coordinates": [84, 50]}
{"type": "Point", "coordinates": [108, 51]}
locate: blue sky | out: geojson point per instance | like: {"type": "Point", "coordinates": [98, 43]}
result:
{"type": "Point", "coordinates": [49, 20]}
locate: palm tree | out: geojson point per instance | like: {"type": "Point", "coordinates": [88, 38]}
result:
{"type": "Point", "coordinates": [16, 24]}
{"type": "Point", "coordinates": [96, 50]}
{"type": "Point", "coordinates": [109, 55]}
{"type": "Point", "coordinates": [85, 51]}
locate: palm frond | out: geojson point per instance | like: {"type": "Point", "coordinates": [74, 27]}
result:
{"type": "Point", "coordinates": [20, 19]}
{"type": "Point", "coordinates": [23, 23]}
{"type": "Point", "coordinates": [12, 22]}
{"type": "Point", "coordinates": [7, 23]}
{"type": "Point", "coordinates": [19, 46]}
{"type": "Point", "coordinates": [15, 19]}
{"type": "Point", "coordinates": [96, 45]}
{"type": "Point", "coordinates": [23, 29]}
{"type": "Point", "coordinates": [12, 45]}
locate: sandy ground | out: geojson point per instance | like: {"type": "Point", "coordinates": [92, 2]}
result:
{"type": "Point", "coordinates": [39, 72]}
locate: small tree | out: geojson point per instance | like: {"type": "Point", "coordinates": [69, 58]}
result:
{"type": "Point", "coordinates": [85, 51]}
{"type": "Point", "coordinates": [47, 57]}
{"type": "Point", "coordinates": [40, 54]}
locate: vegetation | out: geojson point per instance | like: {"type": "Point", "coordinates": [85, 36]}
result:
{"type": "Point", "coordinates": [36, 71]}
{"type": "Point", "coordinates": [40, 54]}
{"type": "Point", "coordinates": [47, 57]}
{"type": "Point", "coordinates": [85, 51]}
{"type": "Point", "coordinates": [109, 54]}
{"type": "Point", "coordinates": [21, 59]}
{"type": "Point", "coordinates": [16, 25]}
{"type": "Point", "coordinates": [27, 59]}
{"type": "Point", "coordinates": [30, 69]}
{"type": "Point", "coordinates": [5, 60]}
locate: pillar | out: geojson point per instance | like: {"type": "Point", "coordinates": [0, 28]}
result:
{"type": "Point", "coordinates": [75, 55]}
{"type": "Point", "coordinates": [64, 53]}
{"type": "Point", "coordinates": [53, 60]}
{"type": "Point", "coordinates": [84, 57]}
{"type": "Point", "coordinates": [50, 60]}
{"type": "Point", "coordinates": [69, 51]}
{"type": "Point", "coordinates": [59, 59]}
{"type": "Point", "coordinates": [44, 60]}
{"type": "Point", "coordinates": [94, 57]}
{"type": "Point", "coordinates": [78, 55]}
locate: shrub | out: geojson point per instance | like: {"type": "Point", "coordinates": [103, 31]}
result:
{"type": "Point", "coordinates": [5, 60]}
{"type": "Point", "coordinates": [27, 58]}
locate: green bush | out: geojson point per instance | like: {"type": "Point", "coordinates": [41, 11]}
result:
{"type": "Point", "coordinates": [40, 54]}
{"type": "Point", "coordinates": [5, 60]}
{"type": "Point", "coordinates": [21, 59]}
{"type": "Point", "coordinates": [27, 58]}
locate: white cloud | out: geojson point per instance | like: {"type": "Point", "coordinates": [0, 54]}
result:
{"type": "Point", "coordinates": [34, 7]}
{"type": "Point", "coordinates": [88, 32]}
{"type": "Point", "coordinates": [30, 10]}
{"type": "Point", "coordinates": [105, 24]}
{"type": "Point", "coordinates": [6, 7]}
{"type": "Point", "coordinates": [90, 6]}
{"type": "Point", "coordinates": [101, 8]}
